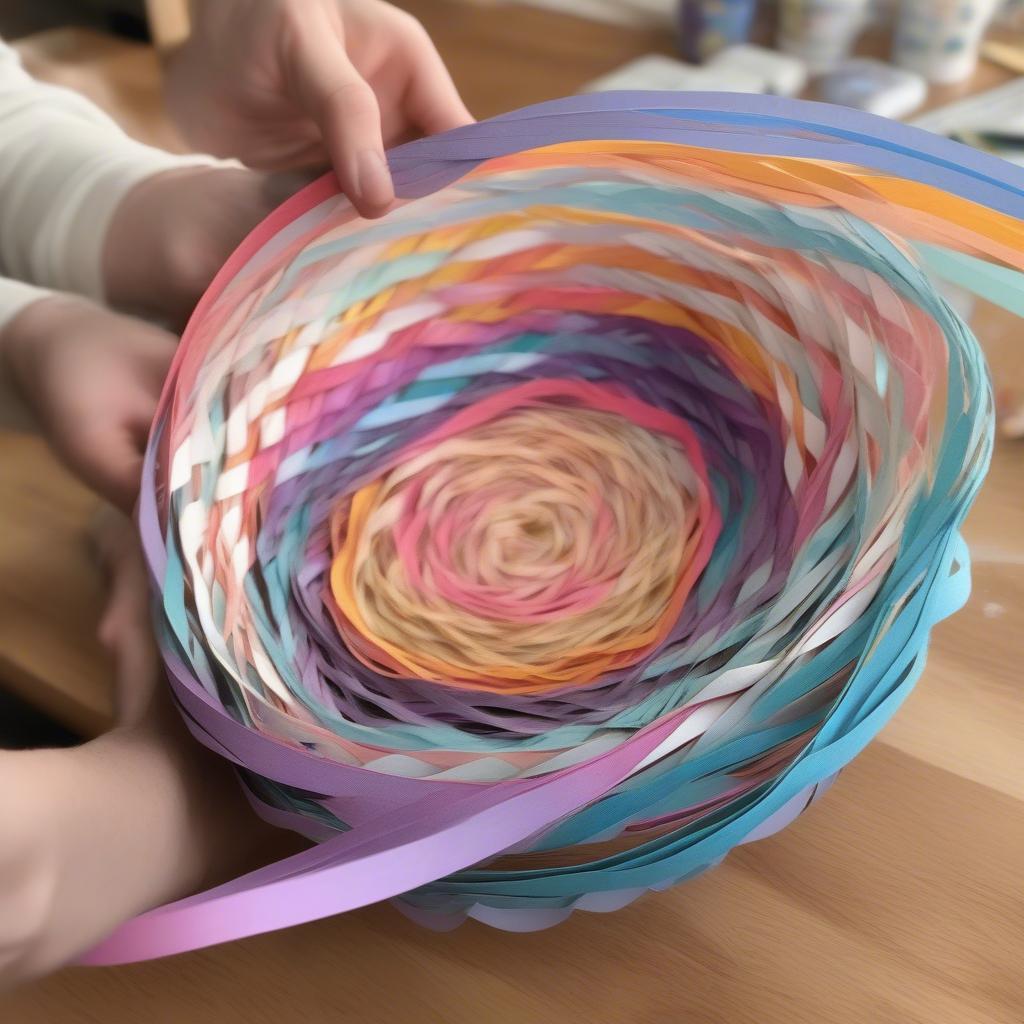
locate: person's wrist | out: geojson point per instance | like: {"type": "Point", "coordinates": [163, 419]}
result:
{"type": "Point", "coordinates": [218, 828]}
{"type": "Point", "coordinates": [26, 337]}
{"type": "Point", "coordinates": [152, 252]}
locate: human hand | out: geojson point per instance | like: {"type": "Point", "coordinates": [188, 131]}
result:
{"type": "Point", "coordinates": [141, 816]}
{"type": "Point", "coordinates": [93, 379]}
{"type": "Point", "coordinates": [172, 233]}
{"type": "Point", "coordinates": [295, 83]}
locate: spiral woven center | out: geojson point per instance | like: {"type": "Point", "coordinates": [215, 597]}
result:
{"type": "Point", "coordinates": [547, 536]}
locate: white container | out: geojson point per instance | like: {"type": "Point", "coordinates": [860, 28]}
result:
{"type": "Point", "coordinates": [873, 86]}
{"type": "Point", "coordinates": [940, 38]}
{"type": "Point", "coordinates": [821, 33]}
{"type": "Point", "coordinates": [657, 73]}
{"type": "Point", "coordinates": [783, 75]}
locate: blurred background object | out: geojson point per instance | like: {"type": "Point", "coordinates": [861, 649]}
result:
{"type": "Point", "coordinates": [1009, 55]}
{"type": "Point", "coordinates": [709, 26]}
{"type": "Point", "coordinates": [656, 72]}
{"type": "Point", "coordinates": [780, 74]}
{"type": "Point", "coordinates": [635, 13]}
{"type": "Point", "coordinates": [123, 17]}
{"type": "Point", "coordinates": [23, 727]}
{"type": "Point", "coordinates": [1011, 16]}
{"type": "Point", "coordinates": [874, 86]}
{"type": "Point", "coordinates": [821, 33]}
{"type": "Point", "coordinates": [992, 121]}
{"type": "Point", "coordinates": [940, 39]}
{"type": "Point", "coordinates": [1010, 414]}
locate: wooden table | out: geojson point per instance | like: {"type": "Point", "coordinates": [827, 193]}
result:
{"type": "Point", "coordinates": [896, 899]}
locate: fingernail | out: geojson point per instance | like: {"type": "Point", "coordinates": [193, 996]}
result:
{"type": "Point", "coordinates": [373, 180]}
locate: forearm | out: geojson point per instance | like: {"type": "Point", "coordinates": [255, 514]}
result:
{"type": "Point", "coordinates": [57, 200]}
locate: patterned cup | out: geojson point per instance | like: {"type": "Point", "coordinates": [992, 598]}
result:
{"type": "Point", "coordinates": [821, 32]}
{"type": "Point", "coordinates": [940, 38]}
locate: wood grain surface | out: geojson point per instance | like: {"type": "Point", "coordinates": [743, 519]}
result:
{"type": "Point", "coordinates": [895, 899]}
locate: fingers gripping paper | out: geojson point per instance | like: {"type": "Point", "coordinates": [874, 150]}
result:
{"type": "Point", "coordinates": [606, 489]}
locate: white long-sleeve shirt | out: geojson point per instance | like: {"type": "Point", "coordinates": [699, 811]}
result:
{"type": "Point", "coordinates": [64, 167]}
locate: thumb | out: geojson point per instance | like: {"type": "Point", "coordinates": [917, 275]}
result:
{"type": "Point", "coordinates": [332, 92]}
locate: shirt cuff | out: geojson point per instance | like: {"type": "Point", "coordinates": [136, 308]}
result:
{"type": "Point", "coordinates": [15, 296]}
{"type": "Point", "coordinates": [69, 256]}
